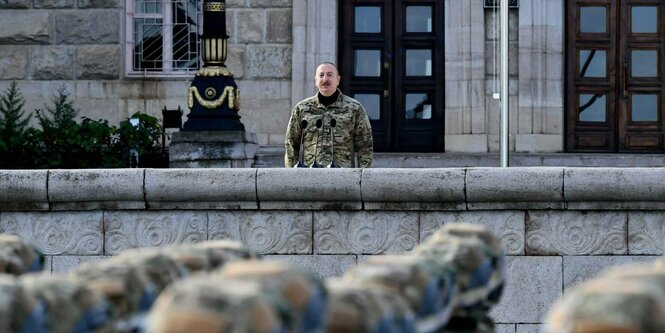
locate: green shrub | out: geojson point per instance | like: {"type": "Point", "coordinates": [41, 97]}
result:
{"type": "Point", "coordinates": [62, 142]}
{"type": "Point", "coordinates": [14, 130]}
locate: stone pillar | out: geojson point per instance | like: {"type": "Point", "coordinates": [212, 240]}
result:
{"type": "Point", "coordinates": [464, 62]}
{"type": "Point", "coordinates": [541, 61]}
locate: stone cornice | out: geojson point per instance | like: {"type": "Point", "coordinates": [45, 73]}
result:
{"type": "Point", "coordinates": [556, 188]}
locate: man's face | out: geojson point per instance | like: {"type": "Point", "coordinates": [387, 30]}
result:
{"type": "Point", "coordinates": [327, 79]}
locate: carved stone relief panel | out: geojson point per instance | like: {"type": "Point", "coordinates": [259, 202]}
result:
{"type": "Point", "coordinates": [127, 229]}
{"type": "Point", "coordinates": [576, 233]}
{"type": "Point", "coordinates": [508, 226]}
{"type": "Point", "coordinates": [365, 232]}
{"type": "Point", "coordinates": [280, 232]}
{"type": "Point", "coordinates": [55, 233]}
{"type": "Point", "coordinates": [646, 232]}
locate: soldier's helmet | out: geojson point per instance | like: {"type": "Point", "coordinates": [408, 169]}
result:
{"type": "Point", "coordinates": [71, 307]}
{"type": "Point", "coordinates": [353, 307]}
{"type": "Point", "coordinates": [653, 274]}
{"type": "Point", "coordinates": [204, 305]}
{"type": "Point", "coordinates": [417, 279]}
{"type": "Point", "coordinates": [612, 305]}
{"type": "Point", "coordinates": [125, 287]}
{"type": "Point", "coordinates": [299, 296]}
{"type": "Point", "coordinates": [228, 248]}
{"type": "Point", "coordinates": [475, 256]}
{"type": "Point", "coordinates": [158, 269]}
{"type": "Point", "coordinates": [19, 311]}
{"type": "Point", "coordinates": [210, 255]}
{"type": "Point", "coordinates": [18, 256]}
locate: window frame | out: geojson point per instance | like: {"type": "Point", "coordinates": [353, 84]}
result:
{"type": "Point", "coordinates": [166, 16]}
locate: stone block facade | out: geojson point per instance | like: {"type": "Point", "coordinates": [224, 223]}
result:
{"type": "Point", "coordinates": [274, 48]}
{"type": "Point", "coordinates": [330, 220]}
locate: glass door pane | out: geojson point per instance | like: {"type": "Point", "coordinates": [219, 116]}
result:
{"type": "Point", "coordinates": [644, 19]}
{"type": "Point", "coordinates": [418, 19]}
{"type": "Point", "coordinates": [367, 63]}
{"type": "Point", "coordinates": [593, 63]}
{"type": "Point", "coordinates": [418, 106]}
{"type": "Point", "coordinates": [367, 19]}
{"type": "Point", "coordinates": [592, 107]}
{"type": "Point", "coordinates": [644, 63]}
{"type": "Point", "coordinates": [372, 104]}
{"type": "Point", "coordinates": [593, 19]}
{"type": "Point", "coordinates": [418, 63]}
{"type": "Point", "coordinates": [644, 107]}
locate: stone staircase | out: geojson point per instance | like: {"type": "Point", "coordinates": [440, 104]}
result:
{"type": "Point", "coordinates": [273, 157]}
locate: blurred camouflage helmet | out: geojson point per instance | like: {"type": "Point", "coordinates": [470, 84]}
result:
{"type": "Point", "coordinates": [18, 257]}
{"type": "Point", "coordinates": [415, 278]}
{"type": "Point", "coordinates": [609, 305]}
{"type": "Point", "coordinates": [19, 311]}
{"type": "Point", "coordinates": [653, 274]}
{"type": "Point", "coordinates": [476, 257]}
{"type": "Point", "coordinates": [124, 286]}
{"type": "Point", "coordinates": [229, 248]}
{"type": "Point", "coordinates": [156, 267]}
{"type": "Point", "coordinates": [71, 307]}
{"type": "Point", "coordinates": [202, 304]}
{"type": "Point", "coordinates": [298, 295]}
{"type": "Point", "coordinates": [208, 255]}
{"type": "Point", "coordinates": [353, 307]}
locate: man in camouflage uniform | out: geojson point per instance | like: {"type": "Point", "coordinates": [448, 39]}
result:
{"type": "Point", "coordinates": [340, 118]}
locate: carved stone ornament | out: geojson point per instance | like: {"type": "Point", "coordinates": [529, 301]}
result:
{"type": "Point", "coordinates": [213, 71]}
{"type": "Point", "coordinates": [232, 93]}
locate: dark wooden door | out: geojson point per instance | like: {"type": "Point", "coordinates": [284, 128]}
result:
{"type": "Point", "coordinates": [391, 60]}
{"type": "Point", "coordinates": [614, 73]}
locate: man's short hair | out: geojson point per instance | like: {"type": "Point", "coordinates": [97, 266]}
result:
{"type": "Point", "coordinates": [331, 64]}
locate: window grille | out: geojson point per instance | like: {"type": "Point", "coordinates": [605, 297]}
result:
{"type": "Point", "coordinates": [163, 37]}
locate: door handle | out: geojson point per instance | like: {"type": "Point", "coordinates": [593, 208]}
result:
{"type": "Point", "coordinates": [386, 69]}
{"type": "Point", "coordinates": [625, 79]}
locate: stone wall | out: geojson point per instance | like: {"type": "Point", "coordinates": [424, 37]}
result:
{"type": "Point", "coordinates": [558, 226]}
{"type": "Point", "coordinates": [535, 69]}
{"type": "Point", "coordinates": [273, 51]}
{"type": "Point", "coordinates": [45, 44]}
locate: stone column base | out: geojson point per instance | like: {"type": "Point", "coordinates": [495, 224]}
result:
{"type": "Point", "coordinates": [212, 149]}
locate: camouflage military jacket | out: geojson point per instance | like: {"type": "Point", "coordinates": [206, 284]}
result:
{"type": "Point", "coordinates": [351, 135]}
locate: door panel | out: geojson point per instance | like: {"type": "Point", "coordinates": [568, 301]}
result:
{"type": "Point", "coordinates": [404, 89]}
{"type": "Point", "coordinates": [614, 76]}
{"type": "Point", "coordinates": [640, 51]}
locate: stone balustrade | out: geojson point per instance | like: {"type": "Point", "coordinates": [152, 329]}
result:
{"type": "Point", "coordinates": [334, 189]}
{"type": "Point", "coordinates": [558, 226]}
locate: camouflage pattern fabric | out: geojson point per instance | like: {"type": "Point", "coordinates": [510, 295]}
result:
{"type": "Point", "coordinates": [299, 296]}
{"type": "Point", "coordinates": [476, 257]}
{"type": "Point", "coordinates": [158, 269]}
{"type": "Point", "coordinates": [609, 305]}
{"type": "Point", "coordinates": [352, 133]}
{"type": "Point", "coordinates": [360, 309]}
{"type": "Point", "coordinates": [18, 257]}
{"type": "Point", "coordinates": [414, 278]}
{"type": "Point", "coordinates": [202, 304]}
{"type": "Point", "coordinates": [71, 307]}
{"type": "Point", "coordinates": [125, 287]}
{"type": "Point", "coordinates": [209, 255]}
{"type": "Point", "coordinates": [19, 311]}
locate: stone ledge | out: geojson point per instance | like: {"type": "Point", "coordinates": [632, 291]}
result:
{"type": "Point", "coordinates": [201, 188]}
{"type": "Point", "coordinates": [454, 189]}
{"type": "Point", "coordinates": [23, 190]}
{"type": "Point", "coordinates": [413, 189]}
{"type": "Point", "coordinates": [90, 189]}
{"type": "Point", "coordinates": [289, 188]}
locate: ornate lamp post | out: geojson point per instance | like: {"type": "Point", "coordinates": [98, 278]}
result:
{"type": "Point", "coordinates": [213, 136]}
{"type": "Point", "coordinates": [213, 97]}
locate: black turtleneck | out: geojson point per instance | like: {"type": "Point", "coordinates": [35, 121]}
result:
{"type": "Point", "coordinates": [327, 100]}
